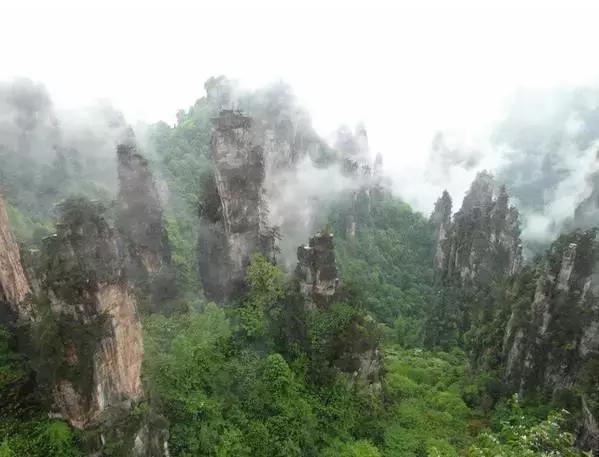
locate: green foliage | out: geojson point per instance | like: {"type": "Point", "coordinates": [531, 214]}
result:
{"type": "Point", "coordinates": [517, 438]}
{"type": "Point", "coordinates": [25, 228]}
{"type": "Point", "coordinates": [390, 258]}
{"type": "Point", "coordinates": [5, 450]}
{"type": "Point", "coordinates": [182, 238]}
{"type": "Point", "coordinates": [180, 155]}
{"type": "Point", "coordinates": [221, 402]}
{"type": "Point", "coordinates": [337, 337]}
{"type": "Point", "coordinates": [33, 182]}
{"type": "Point", "coordinates": [36, 436]}
{"type": "Point", "coordinates": [427, 408]}
{"type": "Point", "coordinates": [24, 427]}
{"type": "Point", "coordinates": [59, 439]}
{"type": "Point", "coordinates": [360, 448]}
{"type": "Point", "coordinates": [12, 371]}
{"type": "Point", "coordinates": [266, 289]}
{"type": "Point", "coordinates": [270, 378]}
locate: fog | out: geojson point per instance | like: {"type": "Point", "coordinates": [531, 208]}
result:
{"type": "Point", "coordinates": [444, 93]}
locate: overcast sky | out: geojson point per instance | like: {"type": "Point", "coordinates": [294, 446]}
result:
{"type": "Point", "coordinates": [406, 72]}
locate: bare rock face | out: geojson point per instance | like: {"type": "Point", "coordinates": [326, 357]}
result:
{"type": "Point", "coordinates": [317, 270]}
{"type": "Point", "coordinates": [478, 251]}
{"type": "Point", "coordinates": [90, 320]}
{"type": "Point", "coordinates": [14, 286]}
{"type": "Point", "coordinates": [235, 212]}
{"type": "Point", "coordinates": [552, 343]}
{"type": "Point", "coordinates": [141, 224]}
{"type": "Point", "coordinates": [96, 316]}
{"type": "Point", "coordinates": [482, 244]}
{"type": "Point", "coordinates": [441, 220]}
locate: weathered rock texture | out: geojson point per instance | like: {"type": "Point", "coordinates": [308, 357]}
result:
{"type": "Point", "coordinates": [441, 220]}
{"type": "Point", "coordinates": [478, 251]}
{"type": "Point", "coordinates": [482, 245]}
{"type": "Point", "coordinates": [552, 339]}
{"type": "Point", "coordinates": [90, 333]}
{"type": "Point", "coordinates": [142, 227]}
{"type": "Point", "coordinates": [234, 213]}
{"type": "Point", "coordinates": [14, 285]}
{"type": "Point", "coordinates": [95, 313]}
{"type": "Point", "coordinates": [317, 270]}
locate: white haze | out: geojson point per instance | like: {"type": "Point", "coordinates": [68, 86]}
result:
{"type": "Point", "coordinates": [408, 73]}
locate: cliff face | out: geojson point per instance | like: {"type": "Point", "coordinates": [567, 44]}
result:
{"type": "Point", "coordinates": [482, 244]}
{"type": "Point", "coordinates": [14, 286]}
{"type": "Point", "coordinates": [317, 271]}
{"type": "Point", "coordinates": [441, 220]}
{"type": "Point", "coordinates": [478, 251]}
{"type": "Point", "coordinates": [234, 214]}
{"type": "Point", "coordinates": [95, 314]}
{"type": "Point", "coordinates": [552, 340]}
{"type": "Point", "coordinates": [141, 224]}
{"type": "Point", "coordinates": [91, 335]}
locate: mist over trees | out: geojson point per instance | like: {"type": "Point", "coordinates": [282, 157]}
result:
{"type": "Point", "coordinates": [236, 285]}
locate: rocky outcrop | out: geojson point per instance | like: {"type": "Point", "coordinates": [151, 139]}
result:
{"type": "Point", "coordinates": [87, 294]}
{"type": "Point", "coordinates": [357, 349]}
{"type": "Point", "coordinates": [482, 244]}
{"type": "Point", "coordinates": [234, 212]}
{"type": "Point", "coordinates": [90, 321]}
{"type": "Point", "coordinates": [552, 343]}
{"type": "Point", "coordinates": [141, 225]}
{"type": "Point", "coordinates": [14, 285]}
{"type": "Point", "coordinates": [441, 220]}
{"type": "Point", "coordinates": [477, 252]}
{"type": "Point", "coordinates": [317, 271]}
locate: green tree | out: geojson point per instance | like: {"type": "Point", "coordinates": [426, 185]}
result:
{"type": "Point", "coordinates": [360, 448]}
{"type": "Point", "coordinates": [266, 288]}
{"type": "Point", "coordinates": [518, 439]}
{"type": "Point", "coordinates": [5, 450]}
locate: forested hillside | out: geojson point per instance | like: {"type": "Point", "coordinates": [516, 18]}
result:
{"type": "Point", "coordinates": [235, 285]}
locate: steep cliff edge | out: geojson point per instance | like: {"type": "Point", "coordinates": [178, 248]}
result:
{"type": "Point", "coordinates": [88, 295]}
{"type": "Point", "coordinates": [142, 227]}
{"type": "Point", "coordinates": [90, 336]}
{"type": "Point", "coordinates": [482, 245]}
{"type": "Point", "coordinates": [552, 339]}
{"type": "Point", "coordinates": [536, 324]}
{"type": "Point", "coordinates": [14, 285]}
{"type": "Point", "coordinates": [234, 212]}
{"type": "Point", "coordinates": [477, 252]}
{"type": "Point", "coordinates": [441, 220]}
